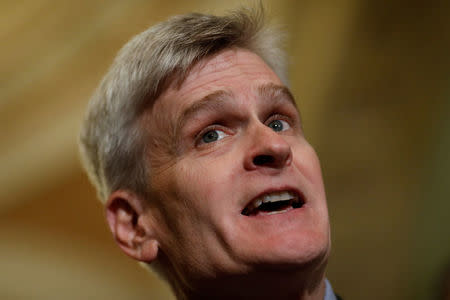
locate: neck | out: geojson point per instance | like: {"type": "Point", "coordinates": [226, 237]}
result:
{"type": "Point", "coordinates": [283, 285]}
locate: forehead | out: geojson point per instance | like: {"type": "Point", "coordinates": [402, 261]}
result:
{"type": "Point", "coordinates": [232, 68]}
{"type": "Point", "coordinates": [236, 70]}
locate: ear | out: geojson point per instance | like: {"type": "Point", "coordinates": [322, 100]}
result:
{"type": "Point", "coordinates": [131, 226]}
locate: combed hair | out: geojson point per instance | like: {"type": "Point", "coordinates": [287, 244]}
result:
{"type": "Point", "coordinates": [112, 145]}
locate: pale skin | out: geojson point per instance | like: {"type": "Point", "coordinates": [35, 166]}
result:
{"type": "Point", "coordinates": [229, 134]}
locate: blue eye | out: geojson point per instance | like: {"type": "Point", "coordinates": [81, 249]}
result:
{"type": "Point", "coordinates": [279, 125]}
{"type": "Point", "coordinates": [212, 136]}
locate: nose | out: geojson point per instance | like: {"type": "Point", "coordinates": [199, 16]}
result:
{"type": "Point", "coordinates": [267, 149]}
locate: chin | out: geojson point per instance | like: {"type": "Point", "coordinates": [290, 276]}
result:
{"type": "Point", "coordinates": [306, 250]}
{"type": "Point", "coordinates": [295, 251]}
{"type": "Point", "coordinates": [294, 267]}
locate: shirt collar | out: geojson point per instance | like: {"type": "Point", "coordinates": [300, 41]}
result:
{"type": "Point", "coordinates": [329, 294]}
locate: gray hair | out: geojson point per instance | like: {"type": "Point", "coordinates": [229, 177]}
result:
{"type": "Point", "coordinates": [112, 144]}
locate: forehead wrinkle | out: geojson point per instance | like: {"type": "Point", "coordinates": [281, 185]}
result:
{"type": "Point", "coordinates": [214, 101]}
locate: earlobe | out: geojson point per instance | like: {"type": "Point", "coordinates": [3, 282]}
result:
{"type": "Point", "coordinates": [128, 221]}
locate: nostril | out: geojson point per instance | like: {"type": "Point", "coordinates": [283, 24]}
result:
{"type": "Point", "coordinates": [261, 160]}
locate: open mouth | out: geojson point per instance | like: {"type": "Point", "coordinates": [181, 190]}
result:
{"type": "Point", "coordinates": [273, 203]}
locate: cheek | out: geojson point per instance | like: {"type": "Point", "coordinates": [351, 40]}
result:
{"type": "Point", "coordinates": [306, 160]}
{"type": "Point", "coordinates": [198, 185]}
{"type": "Point", "coordinates": [211, 188]}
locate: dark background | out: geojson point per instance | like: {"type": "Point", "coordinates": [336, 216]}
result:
{"type": "Point", "coordinates": [373, 86]}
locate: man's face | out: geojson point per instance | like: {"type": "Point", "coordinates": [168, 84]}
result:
{"type": "Point", "coordinates": [224, 142]}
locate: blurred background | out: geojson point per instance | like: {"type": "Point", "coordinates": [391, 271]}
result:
{"type": "Point", "coordinates": [372, 80]}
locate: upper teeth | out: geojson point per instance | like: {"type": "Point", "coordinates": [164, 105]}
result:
{"type": "Point", "coordinates": [273, 197]}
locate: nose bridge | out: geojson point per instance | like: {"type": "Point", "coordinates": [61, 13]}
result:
{"type": "Point", "coordinates": [267, 148]}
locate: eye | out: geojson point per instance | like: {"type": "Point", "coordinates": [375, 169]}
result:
{"type": "Point", "coordinates": [279, 125]}
{"type": "Point", "coordinates": [213, 136]}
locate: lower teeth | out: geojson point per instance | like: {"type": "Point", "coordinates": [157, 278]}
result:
{"type": "Point", "coordinates": [277, 211]}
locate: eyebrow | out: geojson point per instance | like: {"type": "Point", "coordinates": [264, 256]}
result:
{"type": "Point", "coordinates": [277, 92]}
{"type": "Point", "coordinates": [214, 101]}
{"type": "Point", "coordinates": [209, 102]}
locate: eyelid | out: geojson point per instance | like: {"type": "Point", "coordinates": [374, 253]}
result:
{"type": "Point", "coordinates": [285, 118]}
